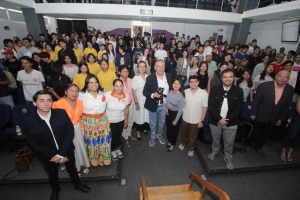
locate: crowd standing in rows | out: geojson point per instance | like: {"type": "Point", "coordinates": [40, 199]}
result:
{"type": "Point", "coordinates": [111, 84]}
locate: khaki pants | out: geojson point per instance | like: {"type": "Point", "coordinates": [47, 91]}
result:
{"type": "Point", "coordinates": [189, 134]}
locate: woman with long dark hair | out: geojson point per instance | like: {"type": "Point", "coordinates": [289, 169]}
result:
{"type": "Point", "coordinates": [58, 81]}
{"type": "Point", "coordinates": [241, 67]}
{"type": "Point", "coordinates": [182, 66]}
{"type": "Point", "coordinates": [111, 52]}
{"type": "Point", "coordinates": [94, 123]}
{"type": "Point", "coordinates": [204, 77]}
{"type": "Point", "coordinates": [268, 74]}
{"type": "Point", "coordinates": [175, 105]}
{"type": "Point", "coordinates": [73, 106]}
{"type": "Point", "coordinates": [93, 66]}
{"type": "Point", "coordinates": [246, 84]}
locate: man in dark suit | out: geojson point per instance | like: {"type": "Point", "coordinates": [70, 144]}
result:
{"type": "Point", "coordinates": [270, 107]}
{"type": "Point", "coordinates": [50, 133]}
{"type": "Point", "coordinates": [225, 103]}
{"type": "Point", "coordinates": [156, 89]}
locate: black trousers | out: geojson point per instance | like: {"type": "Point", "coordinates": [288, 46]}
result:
{"type": "Point", "coordinates": [116, 132]}
{"type": "Point", "coordinates": [172, 131]}
{"type": "Point", "coordinates": [52, 170]}
{"type": "Point", "coordinates": [259, 134]}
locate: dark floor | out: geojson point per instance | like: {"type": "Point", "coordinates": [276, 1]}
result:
{"type": "Point", "coordinates": [168, 168]}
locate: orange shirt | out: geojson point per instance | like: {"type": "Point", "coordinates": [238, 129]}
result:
{"type": "Point", "coordinates": [75, 115]}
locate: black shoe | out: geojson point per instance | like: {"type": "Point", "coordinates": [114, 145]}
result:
{"type": "Point", "coordinates": [139, 138]}
{"type": "Point", "coordinates": [83, 188]}
{"type": "Point", "coordinates": [168, 146]}
{"type": "Point", "coordinates": [169, 150]}
{"type": "Point", "coordinates": [54, 195]}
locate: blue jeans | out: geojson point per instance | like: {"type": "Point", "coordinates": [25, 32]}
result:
{"type": "Point", "coordinates": [8, 100]}
{"type": "Point", "coordinates": [160, 116]}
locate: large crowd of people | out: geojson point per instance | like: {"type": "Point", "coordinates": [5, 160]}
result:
{"type": "Point", "coordinates": [110, 84]}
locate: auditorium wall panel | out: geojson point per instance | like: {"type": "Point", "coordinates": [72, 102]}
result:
{"type": "Point", "coordinates": [269, 33]}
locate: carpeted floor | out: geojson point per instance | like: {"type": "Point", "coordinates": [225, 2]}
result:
{"type": "Point", "coordinates": [168, 168]}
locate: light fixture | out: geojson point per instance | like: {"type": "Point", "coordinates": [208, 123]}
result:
{"type": "Point", "coordinates": [18, 11]}
{"type": "Point", "coordinates": [2, 8]}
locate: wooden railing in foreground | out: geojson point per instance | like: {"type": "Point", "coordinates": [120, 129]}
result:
{"type": "Point", "coordinates": [144, 189]}
{"type": "Point", "coordinates": [207, 185]}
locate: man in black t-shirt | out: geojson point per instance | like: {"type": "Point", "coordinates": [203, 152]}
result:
{"type": "Point", "coordinates": [137, 51]}
{"type": "Point", "coordinates": [12, 64]}
{"type": "Point", "coordinates": [178, 51]}
{"type": "Point", "coordinates": [128, 40]}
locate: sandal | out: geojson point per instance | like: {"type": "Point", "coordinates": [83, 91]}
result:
{"type": "Point", "coordinates": [101, 164]}
{"type": "Point", "coordinates": [132, 138]}
{"type": "Point", "coordinates": [145, 132]}
{"type": "Point", "coordinates": [282, 157]}
{"type": "Point", "coordinates": [290, 159]}
{"type": "Point", "coordinates": [127, 143]}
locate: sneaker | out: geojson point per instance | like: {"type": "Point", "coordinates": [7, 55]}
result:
{"type": "Point", "coordinates": [114, 156]}
{"type": "Point", "coordinates": [211, 156]}
{"type": "Point", "coordinates": [191, 153]}
{"type": "Point", "coordinates": [151, 142]}
{"type": "Point", "coordinates": [119, 153]}
{"type": "Point", "coordinates": [181, 147]}
{"type": "Point", "coordinates": [229, 164]}
{"type": "Point", "coordinates": [161, 139]}
{"type": "Point", "coordinates": [62, 167]}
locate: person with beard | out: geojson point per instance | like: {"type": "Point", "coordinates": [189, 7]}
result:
{"type": "Point", "coordinates": [225, 104]}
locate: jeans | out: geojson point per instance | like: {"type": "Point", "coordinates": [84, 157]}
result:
{"type": "Point", "coordinates": [293, 137]}
{"type": "Point", "coordinates": [160, 116]}
{"type": "Point", "coordinates": [8, 100]}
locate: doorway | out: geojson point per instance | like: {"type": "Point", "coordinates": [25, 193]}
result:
{"type": "Point", "coordinates": [139, 27]}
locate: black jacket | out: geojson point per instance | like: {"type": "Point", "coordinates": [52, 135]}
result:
{"type": "Point", "coordinates": [235, 104]}
{"type": "Point", "coordinates": [150, 87]}
{"type": "Point", "coordinates": [40, 138]}
{"type": "Point", "coordinates": [66, 52]}
{"type": "Point", "coordinates": [264, 107]}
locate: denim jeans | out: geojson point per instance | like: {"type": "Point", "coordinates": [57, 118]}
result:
{"type": "Point", "coordinates": [160, 116]}
{"type": "Point", "coordinates": [8, 100]}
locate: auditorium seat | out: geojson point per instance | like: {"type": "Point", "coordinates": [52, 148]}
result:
{"type": "Point", "coordinates": [5, 116]}
{"type": "Point", "coordinates": [20, 95]}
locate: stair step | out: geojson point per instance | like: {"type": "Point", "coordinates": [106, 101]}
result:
{"type": "Point", "coordinates": [191, 195]}
{"type": "Point", "coordinates": [168, 189]}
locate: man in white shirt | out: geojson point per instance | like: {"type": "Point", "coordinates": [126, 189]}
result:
{"type": "Point", "coordinates": [9, 44]}
{"type": "Point", "coordinates": [31, 80]}
{"type": "Point", "coordinates": [113, 42]}
{"type": "Point", "coordinates": [161, 54]}
{"type": "Point", "coordinates": [193, 116]}
{"type": "Point", "coordinates": [288, 65]}
{"type": "Point", "coordinates": [52, 141]}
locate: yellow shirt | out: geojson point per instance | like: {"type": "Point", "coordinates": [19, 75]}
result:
{"type": "Point", "coordinates": [88, 50]}
{"type": "Point", "coordinates": [94, 68]}
{"type": "Point", "coordinates": [106, 79]}
{"type": "Point", "coordinates": [111, 66]}
{"type": "Point", "coordinates": [53, 56]}
{"type": "Point", "coordinates": [79, 80]}
{"type": "Point", "coordinates": [78, 54]}
{"type": "Point", "coordinates": [57, 49]}
{"type": "Point", "coordinates": [42, 50]}
{"type": "Point", "coordinates": [17, 48]}
{"type": "Point", "coordinates": [100, 54]}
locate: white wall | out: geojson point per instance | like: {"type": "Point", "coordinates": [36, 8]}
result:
{"type": "Point", "coordinates": [16, 28]}
{"type": "Point", "coordinates": [51, 24]}
{"type": "Point", "coordinates": [107, 24]}
{"type": "Point", "coordinates": [269, 33]}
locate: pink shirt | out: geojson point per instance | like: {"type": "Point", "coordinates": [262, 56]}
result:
{"type": "Point", "coordinates": [278, 93]}
{"type": "Point", "coordinates": [128, 89]}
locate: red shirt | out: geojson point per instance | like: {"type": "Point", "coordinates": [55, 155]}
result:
{"type": "Point", "coordinates": [278, 67]}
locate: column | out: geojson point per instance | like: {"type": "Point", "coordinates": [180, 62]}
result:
{"type": "Point", "coordinates": [34, 22]}
{"type": "Point", "coordinates": [240, 32]}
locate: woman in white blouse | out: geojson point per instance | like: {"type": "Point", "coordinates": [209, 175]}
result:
{"type": "Point", "coordinates": [94, 125]}
{"type": "Point", "coordinates": [70, 68]}
{"type": "Point", "coordinates": [141, 115]}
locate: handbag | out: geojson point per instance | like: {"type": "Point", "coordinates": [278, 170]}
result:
{"type": "Point", "coordinates": [23, 162]}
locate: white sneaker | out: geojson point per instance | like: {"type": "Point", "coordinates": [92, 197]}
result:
{"type": "Point", "coordinates": [119, 153]}
{"type": "Point", "coordinates": [191, 153]}
{"type": "Point", "coordinates": [114, 156]}
{"type": "Point", "coordinates": [181, 147]}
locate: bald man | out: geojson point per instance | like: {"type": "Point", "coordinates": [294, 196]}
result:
{"type": "Point", "coordinates": [270, 107]}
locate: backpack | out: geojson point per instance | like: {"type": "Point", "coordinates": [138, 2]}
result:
{"type": "Point", "coordinates": [13, 82]}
